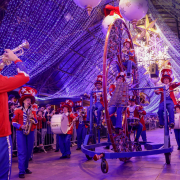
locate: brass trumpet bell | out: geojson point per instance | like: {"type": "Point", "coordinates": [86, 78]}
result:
{"type": "Point", "coordinates": [19, 51]}
{"type": "Point", "coordinates": [144, 99]}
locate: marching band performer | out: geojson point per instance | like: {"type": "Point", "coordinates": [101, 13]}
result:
{"type": "Point", "coordinates": [114, 105]}
{"type": "Point", "coordinates": [65, 139]}
{"type": "Point", "coordinates": [98, 103]}
{"type": "Point", "coordinates": [80, 124]}
{"type": "Point", "coordinates": [60, 111]}
{"type": "Point", "coordinates": [135, 111]}
{"type": "Point", "coordinates": [128, 56]}
{"type": "Point", "coordinates": [24, 118]}
{"type": "Point", "coordinates": [170, 98]}
{"type": "Point", "coordinates": [8, 84]}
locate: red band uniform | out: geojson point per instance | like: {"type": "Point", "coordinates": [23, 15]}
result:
{"type": "Point", "coordinates": [80, 124]}
{"type": "Point", "coordinates": [8, 84]}
{"type": "Point", "coordinates": [133, 111]}
{"type": "Point", "coordinates": [25, 143]}
{"type": "Point", "coordinates": [170, 98]}
{"type": "Point", "coordinates": [65, 139]}
{"type": "Point", "coordinates": [128, 57]}
{"type": "Point", "coordinates": [117, 122]}
{"type": "Point", "coordinates": [98, 100]}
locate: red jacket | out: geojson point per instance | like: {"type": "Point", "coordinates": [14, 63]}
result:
{"type": "Point", "coordinates": [6, 85]}
{"type": "Point", "coordinates": [131, 54]}
{"type": "Point", "coordinates": [77, 122]}
{"type": "Point", "coordinates": [17, 120]}
{"type": "Point", "coordinates": [138, 115]}
{"type": "Point", "coordinates": [101, 97]}
{"type": "Point", "coordinates": [171, 88]}
{"type": "Point", "coordinates": [40, 119]}
{"type": "Point", "coordinates": [70, 118]}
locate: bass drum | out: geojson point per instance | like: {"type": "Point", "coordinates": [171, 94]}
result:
{"type": "Point", "coordinates": [59, 124]}
{"type": "Point", "coordinates": [177, 121]}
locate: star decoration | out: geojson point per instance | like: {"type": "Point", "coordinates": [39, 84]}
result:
{"type": "Point", "coordinates": [134, 38]}
{"type": "Point", "coordinates": [23, 90]}
{"type": "Point", "coordinates": [122, 11]}
{"type": "Point", "coordinates": [146, 28]}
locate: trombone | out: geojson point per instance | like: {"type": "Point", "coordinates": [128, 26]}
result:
{"type": "Point", "coordinates": [19, 51]}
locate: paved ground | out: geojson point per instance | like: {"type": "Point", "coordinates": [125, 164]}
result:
{"type": "Point", "coordinates": [50, 167]}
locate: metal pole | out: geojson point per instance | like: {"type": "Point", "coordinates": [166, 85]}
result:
{"type": "Point", "coordinates": [166, 130]}
{"type": "Point", "coordinates": [91, 114]}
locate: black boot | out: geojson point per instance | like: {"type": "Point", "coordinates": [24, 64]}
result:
{"type": "Point", "coordinates": [28, 171]}
{"type": "Point", "coordinates": [21, 176]}
{"type": "Point", "coordinates": [63, 157]}
{"type": "Point", "coordinates": [171, 125]}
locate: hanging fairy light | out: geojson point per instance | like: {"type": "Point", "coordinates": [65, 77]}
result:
{"type": "Point", "coordinates": [88, 5]}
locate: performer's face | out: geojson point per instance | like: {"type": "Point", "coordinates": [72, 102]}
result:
{"type": "Point", "coordinates": [127, 45]}
{"type": "Point", "coordinates": [177, 110]}
{"type": "Point", "coordinates": [27, 102]}
{"type": "Point", "coordinates": [39, 113]}
{"type": "Point", "coordinates": [98, 86]}
{"type": "Point", "coordinates": [120, 79]}
{"type": "Point", "coordinates": [132, 103]}
{"type": "Point", "coordinates": [42, 109]}
{"type": "Point", "coordinates": [65, 110]}
{"type": "Point", "coordinates": [12, 107]}
{"type": "Point", "coordinates": [166, 81]}
{"type": "Point", "coordinates": [12, 100]}
{"type": "Point", "coordinates": [80, 111]}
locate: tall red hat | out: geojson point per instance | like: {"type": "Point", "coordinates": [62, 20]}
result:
{"type": "Point", "coordinates": [35, 107]}
{"type": "Point", "coordinates": [110, 10]}
{"type": "Point", "coordinates": [61, 105]}
{"type": "Point", "coordinates": [99, 80]}
{"type": "Point", "coordinates": [78, 105]}
{"type": "Point", "coordinates": [27, 92]}
{"type": "Point", "coordinates": [177, 106]}
{"type": "Point", "coordinates": [132, 98]}
{"type": "Point", "coordinates": [129, 41]}
{"type": "Point", "coordinates": [166, 73]}
{"type": "Point", "coordinates": [121, 74]}
{"type": "Point", "coordinates": [69, 104]}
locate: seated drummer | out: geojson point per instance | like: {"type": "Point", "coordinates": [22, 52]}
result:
{"type": "Point", "coordinates": [98, 100]}
{"type": "Point", "coordinates": [135, 111]}
{"type": "Point", "coordinates": [114, 106]}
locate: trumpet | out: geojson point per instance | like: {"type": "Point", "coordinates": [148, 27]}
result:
{"type": "Point", "coordinates": [19, 51]}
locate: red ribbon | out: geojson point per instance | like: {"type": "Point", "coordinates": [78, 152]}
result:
{"type": "Point", "coordinates": [110, 10]}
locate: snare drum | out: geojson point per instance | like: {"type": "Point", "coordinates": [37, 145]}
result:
{"type": "Point", "coordinates": [177, 121]}
{"type": "Point", "coordinates": [59, 124]}
{"type": "Point", "coordinates": [133, 121]}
